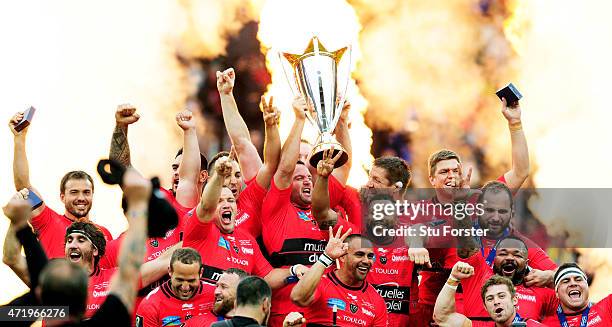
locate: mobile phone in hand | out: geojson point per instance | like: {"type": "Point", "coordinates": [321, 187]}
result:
{"type": "Point", "coordinates": [27, 119]}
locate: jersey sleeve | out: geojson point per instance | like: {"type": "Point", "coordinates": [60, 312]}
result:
{"type": "Point", "coordinates": [251, 201]}
{"type": "Point", "coordinates": [195, 230]}
{"type": "Point", "coordinates": [109, 260]}
{"type": "Point", "coordinates": [275, 205]}
{"type": "Point", "coordinates": [474, 283]}
{"type": "Point", "coordinates": [262, 266]}
{"type": "Point", "coordinates": [147, 314]}
{"type": "Point", "coordinates": [107, 235]}
{"type": "Point", "coordinates": [43, 219]}
{"type": "Point", "coordinates": [336, 191]}
{"type": "Point", "coordinates": [351, 204]}
{"type": "Point", "coordinates": [604, 308]}
{"type": "Point", "coordinates": [538, 259]}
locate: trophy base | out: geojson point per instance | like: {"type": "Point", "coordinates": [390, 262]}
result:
{"type": "Point", "coordinates": [317, 153]}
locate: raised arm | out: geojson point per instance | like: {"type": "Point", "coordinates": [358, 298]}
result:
{"type": "Point", "coordinates": [157, 268]}
{"type": "Point", "coordinates": [11, 255]}
{"type": "Point", "coordinates": [520, 153]}
{"type": "Point", "coordinates": [124, 283]}
{"type": "Point", "coordinates": [303, 294]}
{"type": "Point", "coordinates": [321, 210]}
{"type": "Point", "coordinates": [344, 138]}
{"type": "Point", "coordinates": [272, 145]}
{"type": "Point", "coordinates": [18, 210]}
{"type": "Point", "coordinates": [187, 192]}
{"type": "Point", "coordinates": [119, 147]}
{"type": "Point", "coordinates": [291, 149]}
{"type": "Point", "coordinates": [445, 314]}
{"type": "Point", "coordinates": [212, 191]}
{"type": "Point", "coordinates": [248, 158]}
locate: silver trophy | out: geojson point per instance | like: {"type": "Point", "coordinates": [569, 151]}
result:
{"type": "Point", "coordinates": [315, 74]}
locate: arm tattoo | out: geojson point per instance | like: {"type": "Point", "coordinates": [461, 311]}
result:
{"type": "Point", "coordinates": [467, 245]}
{"type": "Point", "coordinates": [120, 148]}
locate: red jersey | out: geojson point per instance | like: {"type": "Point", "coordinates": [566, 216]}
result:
{"type": "Point", "coordinates": [538, 258]}
{"type": "Point", "coordinates": [533, 302]}
{"type": "Point", "coordinates": [180, 210]}
{"type": "Point", "coordinates": [347, 198]}
{"type": "Point", "coordinates": [249, 205]}
{"type": "Point", "coordinates": [391, 277]}
{"type": "Point", "coordinates": [295, 239]}
{"type": "Point", "coordinates": [162, 308]}
{"type": "Point", "coordinates": [50, 227]}
{"type": "Point", "coordinates": [204, 320]}
{"type": "Point", "coordinates": [442, 252]}
{"type": "Point", "coordinates": [357, 306]}
{"type": "Point", "coordinates": [97, 289]}
{"type": "Point", "coordinates": [221, 251]}
{"type": "Point", "coordinates": [600, 315]}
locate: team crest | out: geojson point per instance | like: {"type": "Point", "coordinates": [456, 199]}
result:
{"type": "Point", "coordinates": [154, 243]}
{"type": "Point", "coordinates": [354, 307]}
{"type": "Point", "coordinates": [383, 260]}
{"type": "Point", "coordinates": [236, 249]}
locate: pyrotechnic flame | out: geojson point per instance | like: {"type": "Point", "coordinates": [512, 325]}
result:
{"type": "Point", "coordinates": [288, 26]}
{"type": "Point", "coordinates": [75, 62]}
{"type": "Point", "coordinates": [566, 66]}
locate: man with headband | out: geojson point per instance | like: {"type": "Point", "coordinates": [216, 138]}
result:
{"type": "Point", "coordinates": [498, 296]}
{"type": "Point", "coordinates": [574, 308]}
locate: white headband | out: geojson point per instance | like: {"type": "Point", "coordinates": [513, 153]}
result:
{"type": "Point", "coordinates": [569, 272]}
{"type": "Point", "coordinates": [84, 234]}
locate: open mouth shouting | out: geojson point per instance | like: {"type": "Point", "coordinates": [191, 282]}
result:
{"type": "Point", "coordinates": [75, 256]}
{"type": "Point", "coordinates": [307, 191]}
{"type": "Point", "coordinates": [575, 295]}
{"type": "Point", "coordinates": [499, 312]}
{"type": "Point", "coordinates": [509, 268]}
{"type": "Point", "coordinates": [226, 216]}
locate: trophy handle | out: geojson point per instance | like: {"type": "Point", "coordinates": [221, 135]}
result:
{"type": "Point", "coordinates": [293, 91]}
{"type": "Point", "coordinates": [346, 85]}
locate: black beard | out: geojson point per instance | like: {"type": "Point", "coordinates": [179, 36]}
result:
{"type": "Point", "coordinates": [379, 240]}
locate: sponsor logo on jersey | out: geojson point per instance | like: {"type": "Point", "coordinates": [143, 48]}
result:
{"type": "Point", "coordinates": [304, 216]}
{"type": "Point", "coordinates": [242, 218]}
{"type": "Point", "coordinates": [353, 297]}
{"type": "Point", "coordinates": [171, 321]}
{"type": "Point", "coordinates": [187, 306]}
{"type": "Point", "coordinates": [525, 297]}
{"type": "Point", "coordinates": [223, 243]}
{"type": "Point", "coordinates": [247, 250]}
{"type": "Point", "coordinates": [367, 312]}
{"type": "Point", "coordinates": [399, 258]}
{"type": "Point", "coordinates": [337, 302]}
{"type": "Point", "coordinates": [355, 321]}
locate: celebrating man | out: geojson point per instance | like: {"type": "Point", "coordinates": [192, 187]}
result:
{"type": "Point", "coordinates": [341, 297]}
{"type": "Point", "coordinates": [498, 296]}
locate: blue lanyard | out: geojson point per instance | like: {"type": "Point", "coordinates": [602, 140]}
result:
{"type": "Point", "coordinates": [583, 320]}
{"type": "Point", "coordinates": [517, 318]}
{"type": "Point", "coordinates": [489, 259]}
